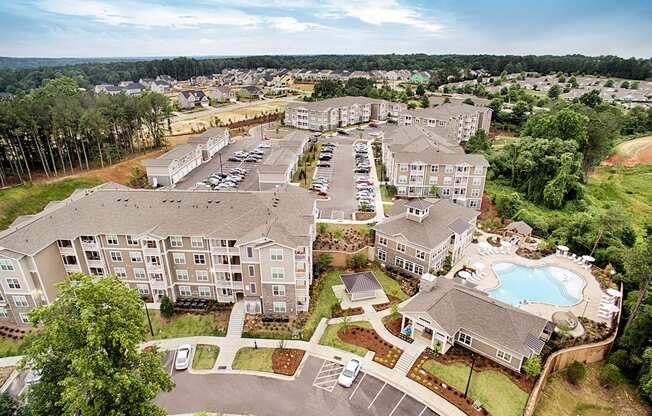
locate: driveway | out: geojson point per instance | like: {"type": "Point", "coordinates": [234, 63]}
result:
{"type": "Point", "coordinates": [342, 203]}
{"type": "Point", "coordinates": [314, 393]}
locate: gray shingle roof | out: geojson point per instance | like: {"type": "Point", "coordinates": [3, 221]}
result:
{"type": "Point", "coordinates": [454, 306]}
{"type": "Point", "coordinates": [421, 204]}
{"type": "Point", "coordinates": [459, 226]}
{"type": "Point", "coordinates": [284, 216]}
{"type": "Point", "coordinates": [360, 282]}
{"type": "Point", "coordinates": [520, 227]}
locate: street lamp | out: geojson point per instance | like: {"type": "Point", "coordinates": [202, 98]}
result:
{"type": "Point", "coordinates": [221, 171]}
{"type": "Point", "coordinates": [468, 382]}
{"type": "Point", "coordinates": [151, 330]}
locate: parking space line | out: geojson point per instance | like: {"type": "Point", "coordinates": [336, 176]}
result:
{"type": "Point", "coordinates": [377, 394]}
{"type": "Point", "coordinates": [397, 404]}
{"type": "Point", "coordinates": [356, 387]}
{"type": "Point", "coordinates": [424, 409]}
{"type": "Point", "coordinates": [327, 376]}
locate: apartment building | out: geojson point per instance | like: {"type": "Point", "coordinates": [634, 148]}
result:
{"type": "Point", "coordinates": [419, 234]}
{"type": "Point", "coordinates": [255, 246]}
{"type": "Point", "coordinates": [211, 141]}
{"type": "Point", "coordinates": [418, 158]}
{"type": "Point", "coordinates": [460, 120]}
{"type": "Point", "coordinates": [173, 165]}
{"type": "Point", "coordinates": [339, 112]}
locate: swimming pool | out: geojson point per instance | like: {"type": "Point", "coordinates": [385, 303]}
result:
{"type": "Point", "coordinates": [545, 284]}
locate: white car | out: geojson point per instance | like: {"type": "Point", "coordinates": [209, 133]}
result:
{"type": "Point", "coordinates": [182, 361]}
{"type": "Point", "coordinates": [349, 373]}
{"type": "Point", "coordinates": [32, 377]}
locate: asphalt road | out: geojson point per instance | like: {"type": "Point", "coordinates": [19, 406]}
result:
{"type": "Point", "coordinates": [342, 203]}
{"type": "Point", "coordinates": [314, 393]}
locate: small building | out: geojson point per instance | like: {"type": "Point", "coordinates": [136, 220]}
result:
{"type": "Point", "coordinates": [172, 166]}
{"type": "Point", "coordinates": [520, 228]}
{"type": "Point", "coordinates": [193, 98]}
{"type": "Point", "coordinates": [360, 286]}
{"type": "Point", "coordinates": [223, 93]}
{"type": "Point", "coordinates": [211, 141]}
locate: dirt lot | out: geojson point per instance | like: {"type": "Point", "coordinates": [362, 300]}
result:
{"type": "Point", "coordinates": [632, 153]}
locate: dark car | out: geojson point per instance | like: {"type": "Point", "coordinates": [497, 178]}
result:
{"type": "Point", "coordinates": [323, 165]}
{"type": "Point", "coordinates": [325, 157]}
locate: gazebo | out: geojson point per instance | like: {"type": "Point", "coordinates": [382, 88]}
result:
{"type": "Point", "coordinates": [520, 228]}
{"type": "Point", "coordinates": [360, 286]}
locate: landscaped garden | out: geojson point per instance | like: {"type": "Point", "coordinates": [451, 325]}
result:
{"type": "Point", "coordinates": [205, 357]}
{"type": "Point", "coordinates": [343, 238]}
{"type": "Point", "coordinates": [214, 323]}
{"type": "Point", "coordinates": [498, 392]}
{"type": "Point", "coordinates": [272, 327]}
{"type": "Point", "coordinates": [358, 338]}
{"type": "Point", "coordinates": [284, 361]}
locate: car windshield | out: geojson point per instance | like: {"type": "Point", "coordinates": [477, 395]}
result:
{"type": "Point", "coordinates": [347, 373]}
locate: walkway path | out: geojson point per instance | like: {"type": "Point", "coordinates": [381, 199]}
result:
{"type": "Point", "coordinates": [236, 320]}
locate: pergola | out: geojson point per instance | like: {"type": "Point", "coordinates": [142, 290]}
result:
{"type": "Point", "coordinates": [361, 286]}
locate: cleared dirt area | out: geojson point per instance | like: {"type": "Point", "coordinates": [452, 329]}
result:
{"type": "Point", "coordinates": [632, 153]}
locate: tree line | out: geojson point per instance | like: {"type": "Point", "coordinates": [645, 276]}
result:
{"type": "Point", "coordinates": [58, 129]}
{"type": "Point", "coordinates": [445, 66]}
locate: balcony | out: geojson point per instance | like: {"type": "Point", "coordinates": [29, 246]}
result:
{"type": "Point", "coordinates": [90, 246]}
{"type": "Point", "coordinates": [219, 250]}
{"type": "Point", "coordinates": [157, 284]}
{"type": "Point", "coordinates": [67, 251]}
{"type": "Point", "coordinates": [219, 267]}
{"type": "Point", "coordinates": [72, 268]}
{"type": "Point", "coordinates": [95, 263]}
{"type": "Point", "coordinates": [154, 268]}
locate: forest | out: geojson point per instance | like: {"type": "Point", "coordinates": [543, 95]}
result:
{"type": "Point", "coordinates": [58, 129]}
{"type": "Point", "coordinates": [88, 74]}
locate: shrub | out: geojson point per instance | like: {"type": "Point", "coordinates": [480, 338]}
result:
{"type": "Point", "coordinates": [167, 309]}
{"type": "Point", "coordinates": [532, 366]}
{"type": "Point", "coordinates": [508, 204]}
{"type": "Point", "coordinates": [321, 227]}
{"type": "Point", "coordinates": [324, 262]}
{"type": "Point", "coordinates": [610, 375]}
{"type": "Point", "coordinates": [620, 358]}
{"type": "Point", "coordinates": [575, 372]}
{"type": "Point", "coordinates": [357, 261]}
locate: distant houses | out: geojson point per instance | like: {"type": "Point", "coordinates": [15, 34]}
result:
{"type": "Point", "coordinates": [193, 99]}
{"type": "Point", "coordinates": [162, 84]}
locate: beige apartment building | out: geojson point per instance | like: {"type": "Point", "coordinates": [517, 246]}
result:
{"type": "Point", "coordinates": [460, 121]}
{"type": "Point", "coordinates": [228, 246]}
{"type": "Point", "coordinates": [419, 234]}
{"type": "Point", "coordinates": [418, 158]}
{"type": "Point", "coordinates": [339, 112]}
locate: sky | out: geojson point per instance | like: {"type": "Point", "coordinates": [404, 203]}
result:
{"type": "Point", "coordinates": [122, 28]}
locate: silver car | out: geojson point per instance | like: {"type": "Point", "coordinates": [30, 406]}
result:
{"type": "Point", "coordinates": [349, 373]}
{"type": "Point", "coordinates": [182, 361]}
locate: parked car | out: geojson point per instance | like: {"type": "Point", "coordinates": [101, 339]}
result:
{"type": "Point", "coordinates": [265, 145]}
{"type": "Point", "coordinates": [182, 361]}
{"type": "Point", "coordinates": [349, 373]}
{"type": "Point", "coordinates": [343, 132]}
{"type": "Point", "coordinates": [325, 157]}
{"type": "Point", "coordinates": [323, 165]}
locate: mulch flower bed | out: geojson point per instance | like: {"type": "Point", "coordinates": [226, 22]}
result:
{"type": "Point", "coordinates": [393, 325]}
{"type": "Point", "coordinates": [363, 216]}
{"type": "Point", "coordinates": [382, 306]}
{"type": "Point", "coordinates": [385, 353]}
{"type": "Point", "coordinates": [438, 386]}
{"type": "Point", "coordinates": [348, 240]}
{"type": "Point", "coordinates": [461, 355]}
{"type": "Point", "coordinates": [338, 312]}
{"type": "Point", "coordinates": [286, 360]}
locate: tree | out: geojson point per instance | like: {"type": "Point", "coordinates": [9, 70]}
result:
{"type": "Point", "coordinates": [357, 261]}
{"type": "Point", "coordinates": [87, 352]}
{"type": "Point", "coordinates": [167, 309]}
{"type": "Point", "coordinates": [532, 366]}
{"type": "Point", "coordinates": [425, 103]}
{"type": "Point", "coordinates": [478, 143]}
{"type": "Point", "coordinates": [508, 205]}
{"type": "Point", "coordinates": [409, 91]}
{"type": "Point", "coordinates": [646, 374]}
{"type": "Point", "coordinates": [624, 84]}
{"type": "Point", "coordinates": [609, 83]}
{"type": "Point", "coordinates": [434, 190]}
{"type": "Point", "coordinates": [610, 376]}
{"type": "Point", "coordinates": [421, 91]}
{"type": "Point", "coordinates": [519, 112]}
{"type": "Point", "coordinates": [591, 99]}
{"type": "Point", "coordinates": [638, 265]}
{"type": "Point", "coordinates": [554, 92]}
{"type": "Point", "coordinates": [9, 406]}
{"type": "Point", "coordinates": [468, 101]}
{"type": "Point", "coordinates": [575, 372]}
{"type": "Point", "coordinates": [324, 261]}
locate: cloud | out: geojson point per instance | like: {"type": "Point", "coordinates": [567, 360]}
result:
{"type": "Point", "coordinates": [378, 12]}
{"type": "Point", "coordinates": [148, 14]}
{"type": "Point", "coordinates": [291, 24]}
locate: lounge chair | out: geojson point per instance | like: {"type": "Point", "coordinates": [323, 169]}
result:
{"type": "Point", "coordinates": [573, 256]}
{"type": "Point", "coordinates": [605, 316]}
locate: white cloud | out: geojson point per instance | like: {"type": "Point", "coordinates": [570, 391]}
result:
{"type": "Point", "coordinates": [148, 14]}
{"type": "Point", "coordinates": [378, 12]}
{"type": "Point", "coordinates": [291, 24]}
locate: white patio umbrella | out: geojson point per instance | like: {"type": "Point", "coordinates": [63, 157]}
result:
{"type": "Point", "coordinates": [478, 266]}
{"type": "Point", "coordinates": [588, 259]}
{"type": "Point", "coordinates": [614, 292]}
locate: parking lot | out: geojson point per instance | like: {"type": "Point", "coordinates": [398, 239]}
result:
{"type": "Point", "coordinates": [315, 392]}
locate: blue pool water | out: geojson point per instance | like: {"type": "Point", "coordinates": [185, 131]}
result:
{"type": "Point", "coordinates": [546, 284]}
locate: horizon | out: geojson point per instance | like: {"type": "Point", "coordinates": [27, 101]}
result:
{"type": "Point", "coordinates": [123, 29]}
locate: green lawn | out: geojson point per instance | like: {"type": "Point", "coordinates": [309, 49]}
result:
{"type": "Point", "coordinates": [30, 199]}
{"type": "Point", "coordinates": [182, 325]}
{"type": "Point", "coordinates": [387, 207]}
{"type": "Point", "coordinates": [253, 359]}
{"type": "Point", "coordinates": [500, 141]}
{"type": "Point", "coordinates": [330, 338]}
{"type": "Point", "coordinates": [361, 228]}
{"type": "Point", "coordinates": [390, 286]}
{"type": "Point", "coordinates": [384, 194]}
{"type": "Point", "coordinates": [323, 300]}
{"type": "Point", "coordinates": [495, 390]}
{"type": "Point", "coordinates": [205, 357]}
{"type": "Point", "coordinates": [10, 348]}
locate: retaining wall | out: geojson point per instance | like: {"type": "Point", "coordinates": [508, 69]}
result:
{"type": "Point", "coordinates": [341, 258]}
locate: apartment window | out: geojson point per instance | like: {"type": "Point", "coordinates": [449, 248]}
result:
{"type": "Point", "coordinates": [201, 275]}
{"type": "Point", "coordinates": [252, 287]}
{"type": "Point", "coordinates": [135, 257]}
{"type": "Point", "coordinates": [276, 254]}
{"type": "Point", "coordinates": [280, 307]}
{"type": "Point", "coordinates": [197, 242]}
{"type": "Point", "coordinates": [200, 258]}
{"type": "Point", "coordinates": [403, 168]}
{"type": "Point", "coordinates": [179, 258]}
{"type": "Point", "coordinates": [120, 272]}
{"type": "Point", "coordinates": [250, 252]}
{"type": "Point", "coordinates": [476, 181]}
{"type": "Point", "coordinates": [131, 241]}
{"type": "Point", "coordinates": [474, 203]}
{"type": "Point", "coordinates": [434, 168]}
{"type": "Point", "coordinates": [143, 289]}
{"type": "Point", "coordinates": [97, 271]}
{"type": "Point", "coordinates": [252, 271]}
{"type": "Point", "coordinates": [382, 241]}
{"type": "Point", "coordinates": [204, 291]}
{"type": "Point", "coordinates": [20, 301]}
{"type": "Point", "coordinates": [150, 244]}
{"type": "Point", "coordinates": [400, 247]}
{"type": "Point", "coordinates": [445, 191]}
{"type": "Point", "coordinates": [478, 170]}
{"type": "Point", "coordinates": [504, 355]}
{"type": "Point", "coordinates": [421, 255]}
{"type": "Point", "coordinates": [449, 169]}
{"type": "Point", "coordinates": [4, 313]}
{"type": "Point", "coordinates": [182, 275]}
{"type": "Point", "coordinates": [418, 269]}
{"type": "Point", "coordinates": [112, 240]}
{"type": "Point", "coordinates": [116, 256]}
{"type": "Point", "coordinates": [185, 291]}
{"type": "Point", "coordinates": [139, 273]}
{"type": "Point", "coordinates": [464, 338]}
{"type": "Point", "coordinates": [448, 180]}
{"type": "Point", "coordinates": [176, 241]}
{"type": "Point", "coordinates": [64, 243]}
{"type": "Point", "coordinates": [399, 262]}
{"type": "Point", "coordinates": [156, 276]}
{"type": "Point", "coordinates": [13, 283]}
{"type": "Point", "coordinates": [432, 180]}
{"type": "Point", "coordinates": [93, 255]}
{"type": "Point", "coordinates": [24, 318]}
{"type": "Point", "coordinates": [475, 193]}
{"type": "Point", "coordinates": [278, 290]}
{"type": "Point", "coordinates": [382, 255]}
{"type": "Point", "coordinates": [278, 273]}
{"type": "Point", "coordinates": [402, 179]}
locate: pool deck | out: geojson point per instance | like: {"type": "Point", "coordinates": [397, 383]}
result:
{"type": "Point", "coordinates": [591, 294]}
